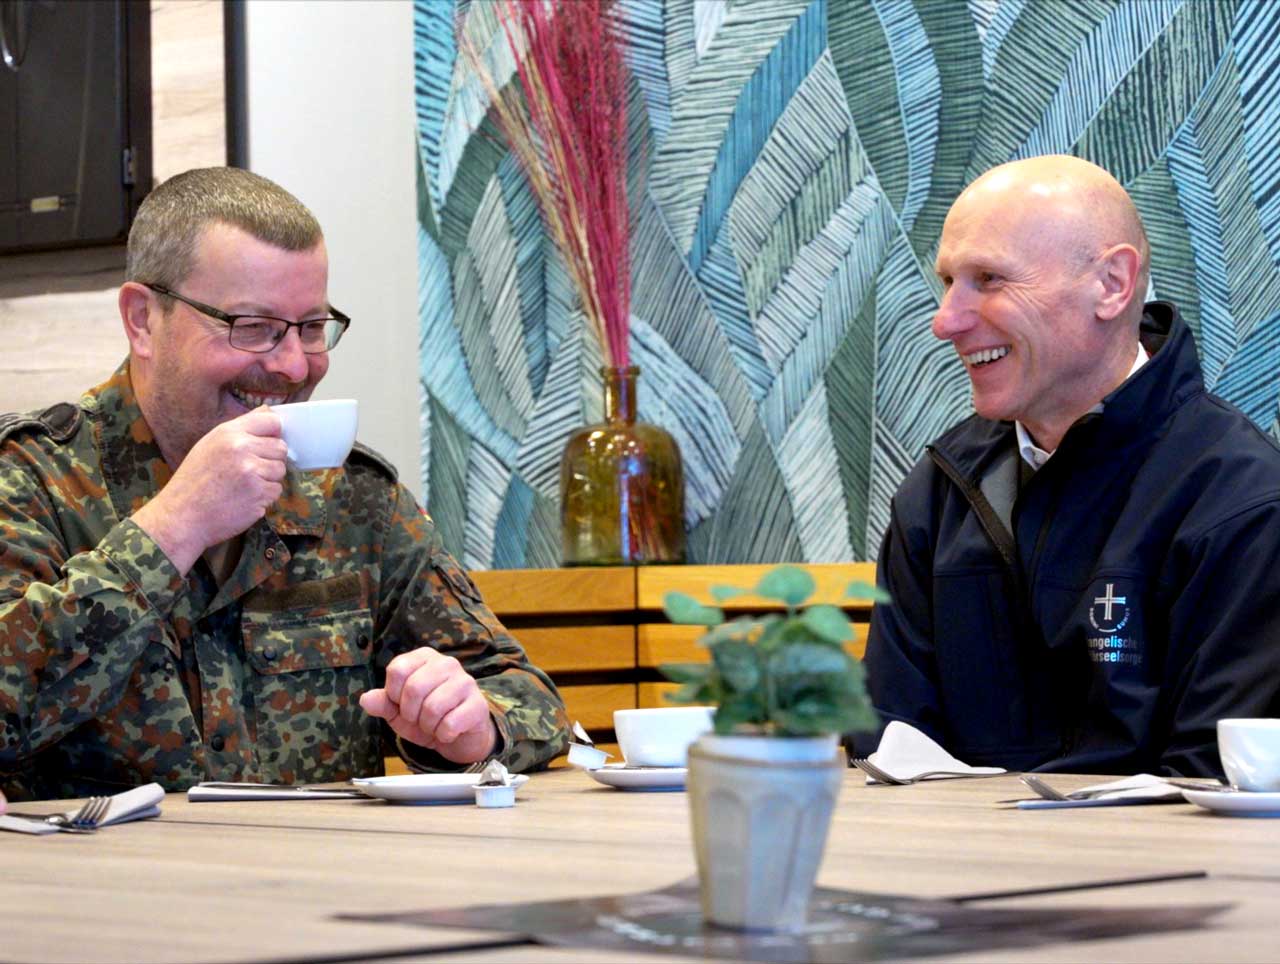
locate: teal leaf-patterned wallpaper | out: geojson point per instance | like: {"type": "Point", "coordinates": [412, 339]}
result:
{"type": "Point", "coordinates": [791, 163]}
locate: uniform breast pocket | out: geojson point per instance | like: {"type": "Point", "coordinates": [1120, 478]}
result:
{"type": "Point", "coordinates": [307, 673]}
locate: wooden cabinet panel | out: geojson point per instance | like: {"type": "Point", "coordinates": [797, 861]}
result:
{"type": "Point", "coordinates": [579, 648]}
{"type": "Point", "coordinates": [658, 643]}
{"type": "Point", "coordinates": [654, 694]}
{"type": "Point", "coordinates": [394, 766]}
{"type": "Point", "coordinates": [519, 592]}
{"type": "Point", "coordinates": [593, 705]}
{"type": "Point", "coordinates": [654, 582]}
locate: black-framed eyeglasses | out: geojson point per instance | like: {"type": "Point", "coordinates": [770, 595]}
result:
{"type": "Point", "coordinates": [261, 333]}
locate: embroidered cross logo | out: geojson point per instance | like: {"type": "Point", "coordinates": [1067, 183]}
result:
{"type": "Point", "coordinates": [1109, 600]}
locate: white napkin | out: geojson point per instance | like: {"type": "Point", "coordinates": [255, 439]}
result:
{"type": "Point", "coordinates": [905, 752]}
{"type": "Point", "coordinates": [139, 803]}
{"type": "Point", "coordinates": [136, 804]}
{"type": "Point", "coordinates": [1142, 788]}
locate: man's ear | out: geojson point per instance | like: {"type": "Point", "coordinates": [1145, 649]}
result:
{"type": "Point", "coordinates": [1118, 273]}
{"type": "Point", "coordinates": [139, 315]}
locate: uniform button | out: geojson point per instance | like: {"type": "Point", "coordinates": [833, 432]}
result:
{"type": "Point", "coordinates": [217, 743]}
{"type": "Point", "coordinates": [363, 641]}
{"type": "Point", "coordinates": [269, 653]}
{"type": "Point", "coordinates": [270, 553]}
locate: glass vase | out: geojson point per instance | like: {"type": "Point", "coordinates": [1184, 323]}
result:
{"type": "Point", "coordinates": [621, 486]}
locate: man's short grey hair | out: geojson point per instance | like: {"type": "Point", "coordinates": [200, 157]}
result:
{"type": "Point", "coordinates": [163, 239]}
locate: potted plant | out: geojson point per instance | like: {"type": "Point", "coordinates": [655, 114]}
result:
{"type": "Point", "coordinates": [763, 785]}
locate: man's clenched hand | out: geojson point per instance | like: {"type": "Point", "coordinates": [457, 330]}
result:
{"type": "Point", "coordinates": [430, 700]}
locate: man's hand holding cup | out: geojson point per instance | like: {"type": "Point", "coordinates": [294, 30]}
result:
{"type": "Point", "coordinates": [225, 484]}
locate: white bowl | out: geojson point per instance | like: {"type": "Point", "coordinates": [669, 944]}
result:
{"type": "Point", "coordinates": [1250, 751]}
{"type": "Point", "coordinates": [319, 433]}
{"type": "Point", "coordinates": [660, 736]}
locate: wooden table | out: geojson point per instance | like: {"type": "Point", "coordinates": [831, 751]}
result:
{"type": "Point", "coordinates": [253, 881]}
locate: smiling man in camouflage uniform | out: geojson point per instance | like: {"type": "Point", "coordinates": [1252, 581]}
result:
{"type": "Point", "coordinates": [177, 603]}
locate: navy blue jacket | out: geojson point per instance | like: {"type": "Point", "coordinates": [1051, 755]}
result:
{"type": "Point", "coordinates": [1104, 614]}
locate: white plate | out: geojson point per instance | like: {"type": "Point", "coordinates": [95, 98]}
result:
{"type": "Point", "coordinates": [640, 778]}
{"type": "Point", "coordinates": [426, 787]}
{"type": "Point", "coordinates": [1244, 803]}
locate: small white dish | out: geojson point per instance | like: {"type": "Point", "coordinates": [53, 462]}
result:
{"type": "Point", "coordinates": [496, 797]}
{"type": "Point", "coordinates": [586, 757]}
{"type": "Point", "coordinates": [623, 777]}
{"type": "Point", "coordinates": [1241, 803]}
{"type": "Point", "coordinates": [427, 787]}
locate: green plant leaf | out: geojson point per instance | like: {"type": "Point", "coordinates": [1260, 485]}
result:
{"type": "Point", "coordinates": [738, 710]}
{"type": "Point", "coordinates": [817, 688]}
{"type": "Point", "coordinates": [864, 590]}
{"type": "Point", "coordinates": [738, 665]}
{"type": "Point", "coordinates": [697, 692]}
{"type": "Point", "coordinates": [773, 631]}
{"type": "Point", "coordinates": [829, 623]}
{"type": "Point", "coordinates": [742, 628]}
{"type": "Point", "coordinates": [815, 717]}
{"type": "Point", "coordinates": [683, 608]}
{"type": "Point", "coordinates": [686, 672]}
{"type": "Point", "coordinates": [862, 718]}
{"type": "Point", "coordinates": [789, 585]}
{"type": "Point", "coordinates": [805, 659]}
{"type": "Point", "coordinates": [787, 674]}
{"type": "Point", "coordinates": [810, 718]}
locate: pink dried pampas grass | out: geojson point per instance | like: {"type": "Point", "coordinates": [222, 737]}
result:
{"type": "Point", "coordinates": [565, 119]}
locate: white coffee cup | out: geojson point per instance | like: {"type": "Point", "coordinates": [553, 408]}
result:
{"type": "Point", "coordinates": [1250, 751]}
{"type": "Point", "coordinates": [660, 736]}
{"type": "Point", "coordinates": [319, 433]}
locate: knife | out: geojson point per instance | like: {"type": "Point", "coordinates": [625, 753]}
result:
{"type": "Point", "coordinates": [214, 790]}
{"type": "Point", "coordinates": [34, 823]}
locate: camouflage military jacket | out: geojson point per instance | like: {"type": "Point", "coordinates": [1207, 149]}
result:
{"type": "Point", "coordinates": [115, 670]}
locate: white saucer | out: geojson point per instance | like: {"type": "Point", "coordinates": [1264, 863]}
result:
{"type": "Point", "coordinates": [640, 778]}
{"type": "Point", "coordinates": [426, 787]}
{"type": "Point", "coordinates": [1243, 803]}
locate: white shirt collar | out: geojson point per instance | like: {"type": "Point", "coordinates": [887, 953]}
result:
{"type": "Point", "coordinates": [1033, 454]}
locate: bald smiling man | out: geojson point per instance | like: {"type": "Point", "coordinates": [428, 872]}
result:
{"type": "Point", "coordinates": [1086, 572]}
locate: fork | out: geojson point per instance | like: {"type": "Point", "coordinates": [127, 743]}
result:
{"type": "Point", "coordinates": [84, 820]}
{"type": "Point", "coordinates": [90, 815]}
{"type": "Point", "coordinates": [1043, 789]}
{"type": "Point", "coordinates": [883, 776]}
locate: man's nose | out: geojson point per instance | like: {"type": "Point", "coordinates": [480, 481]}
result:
{"type": "Point", "coordinates": [954, 315]}
{"type": "Point", "coordinates": [288, 358]}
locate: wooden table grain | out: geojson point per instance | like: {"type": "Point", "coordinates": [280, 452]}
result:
{"type": "Point", "coordinates": [263, 881]}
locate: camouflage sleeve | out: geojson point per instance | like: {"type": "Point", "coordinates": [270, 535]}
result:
{"type": "Point", "coordinates": [427, 599]}
{"type": "Point", "coordinates": [71, 625]}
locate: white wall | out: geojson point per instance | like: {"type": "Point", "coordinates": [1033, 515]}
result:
{"type": "Point", "coordinates": [331, 118]}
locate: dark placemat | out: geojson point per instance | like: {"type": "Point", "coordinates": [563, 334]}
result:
{"type": "Point", "coordinates": [843, 925]}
